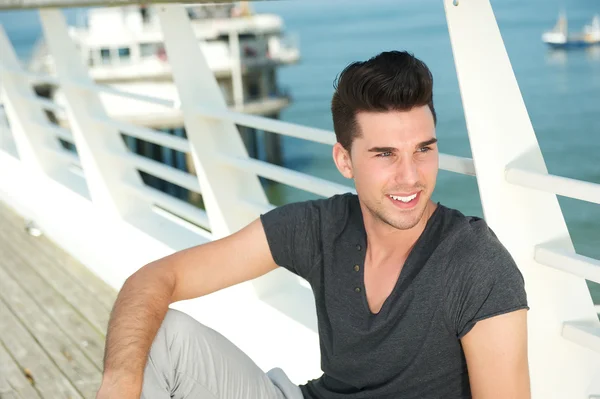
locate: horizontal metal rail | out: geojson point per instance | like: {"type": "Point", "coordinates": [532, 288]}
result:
{"type": "Point", "coordinates": [58, 131]}
{"type": "Point", "coordinates": [572, 188]}
{"type": "Point", "coordinates": [37, 78]}
{"type": "Point", "coordinates": [270, 125]}
{"type": "Point", "coordinates": [45, 103]}
{"type": "Point", "coordinates": [42, 79]}
{"type": "Point", "coordinates": [34, 78]}
{"type": "Point", "coordinates": [453, 163]}
{"type": "Point", "coordinates": [99, 88]}
{"type": "Point", "coordinates": [65, 155]}
{"type": "Point", "coordinates": [256, 208]}
{"type": "Point", "coordinates": [290, 177]}
{"type": "Point", "coordinates": [579, 265]}
{"type": "Point", "coordinates": [584, 333]}
{"type": "Point", "coordinates": [178, 207]}
{"type": "Point", "coordinates": [164, 172]}
{"type": "Point", "coordinates": [147, 134]}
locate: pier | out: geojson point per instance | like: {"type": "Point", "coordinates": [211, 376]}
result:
{"type": "Point", "coordinates": [53, 316]}
{"type": "Point", "coordinates": [81, 210]}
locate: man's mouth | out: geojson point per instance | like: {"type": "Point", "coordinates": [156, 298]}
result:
{"type": "Point", "coordinates": [405, 201]}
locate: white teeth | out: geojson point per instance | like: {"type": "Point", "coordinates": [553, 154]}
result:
{"type": "Point", "coordinates": [404, 199]}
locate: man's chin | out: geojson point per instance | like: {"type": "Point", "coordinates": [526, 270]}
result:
{"type": "Point", "coordinates": [404, 224]}
{"type": "Point", "coordinates": [407, 219]}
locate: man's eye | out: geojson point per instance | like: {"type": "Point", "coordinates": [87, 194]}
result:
{"type": "Point", "coordinates": [384, 154]}
{"type": "Point", "coordinates": [424, 149]}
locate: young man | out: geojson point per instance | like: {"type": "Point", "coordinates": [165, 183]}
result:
{"type": "Point", "coordinates": [414, 300]}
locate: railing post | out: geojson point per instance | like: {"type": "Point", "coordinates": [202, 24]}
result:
{"type": "Point", "coordinates": [100, 148]}
{"type": "Point", "coordinates": [501, 133]}
{"type": "Point", "coordinates": [33, 144]}
{"type": "Point", "coordinates": [236, 69]}
{"type": "Point", "coordinates": [222, 186]}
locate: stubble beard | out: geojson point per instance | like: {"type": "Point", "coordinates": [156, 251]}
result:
{"type": "Point", "coordinates": [405, 220]}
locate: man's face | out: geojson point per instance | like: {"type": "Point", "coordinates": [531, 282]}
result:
{"type": "Point", "coordinates": [394, 163]}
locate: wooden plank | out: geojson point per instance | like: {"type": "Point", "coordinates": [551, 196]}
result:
{"type": "Point", "coordinates": [10, 395]}
{"type": "Point", "coordinates": [28, 354]}
{"type": "Point", "coordinates": [95, 286]}
{"type": "Point", "coordinates": [65, 354]}
{"type": "Point", "coordinates": [13, 383]}
{"type": "Point", "coordinates": [57, 278]}
{"type": "Point", "coordinates": [83, 335]}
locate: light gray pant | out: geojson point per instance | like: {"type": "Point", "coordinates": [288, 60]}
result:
{"type": "Point", "coordinates": [189, 360]}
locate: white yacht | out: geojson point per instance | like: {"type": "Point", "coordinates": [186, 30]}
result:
{"type": "Point", "coordinates": [123, 48]}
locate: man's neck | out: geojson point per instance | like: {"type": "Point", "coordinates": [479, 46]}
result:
{"type": "Point", "coordinates": [385, 242]}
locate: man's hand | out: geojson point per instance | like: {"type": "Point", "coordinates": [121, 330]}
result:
{"type": "Point", "coordinates": [496, 353]}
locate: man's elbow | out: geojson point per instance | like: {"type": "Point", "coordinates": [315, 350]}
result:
{"type": "Point", "coordinates": [153, 278]}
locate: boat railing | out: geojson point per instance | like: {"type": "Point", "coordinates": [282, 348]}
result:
{"type": "Point", "coordinates": [518, 194]}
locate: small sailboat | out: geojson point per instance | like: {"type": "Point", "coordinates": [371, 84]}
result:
{"type": "Point", "coordinates": [559, 36]}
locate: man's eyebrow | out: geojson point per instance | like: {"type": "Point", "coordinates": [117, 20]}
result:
{"type": "Point", "coordinates": [426, 143]}
{"type": "Point", "coordinates": [382, 149]}
{"type": "Point", "coordinates": [394, 149]}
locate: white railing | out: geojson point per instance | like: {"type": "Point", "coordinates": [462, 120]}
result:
{"type": "Point", "coordinates": [558, 185]}
{"type": "Point", "coordinates": [570, 262]}
{"type": "Point", "coordinates": [518, 195]}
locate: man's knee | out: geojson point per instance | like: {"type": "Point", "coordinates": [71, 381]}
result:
{"type": "Point", "coordinates": [177, 322]}
{"type": "Point", "coordinates": [177, 331]}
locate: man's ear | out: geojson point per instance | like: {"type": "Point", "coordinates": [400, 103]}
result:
{"type": "Point", "coordinates": [342, 160]}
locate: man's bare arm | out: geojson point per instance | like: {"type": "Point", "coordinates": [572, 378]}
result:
{"type": "Point", "coordinates": [145, 297]}
{"type": "Point", "coordinates": [496, 353]}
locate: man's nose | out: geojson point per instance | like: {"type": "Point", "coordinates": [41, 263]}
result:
{"type": "Point", "coordinates": [406, 174]}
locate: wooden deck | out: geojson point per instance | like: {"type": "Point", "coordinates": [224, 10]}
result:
{"type": "Point", "coordinates": [53, 318]}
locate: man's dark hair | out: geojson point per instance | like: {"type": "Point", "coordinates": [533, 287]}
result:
{"type": "Point", "coordinates": [393, 80]}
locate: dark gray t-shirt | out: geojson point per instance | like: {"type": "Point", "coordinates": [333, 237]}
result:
{"type": "Point", "coordinates": [457, 274]}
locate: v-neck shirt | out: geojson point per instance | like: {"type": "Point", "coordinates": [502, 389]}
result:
{"type": "Point", "coordinates": [456, 274]}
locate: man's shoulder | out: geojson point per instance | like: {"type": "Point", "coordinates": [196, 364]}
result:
{"type": "Point", "coordinates": [296, 231]}
{"type": "Point", "coordinates": [330, 207]}
{"type": "Point", "coordinates": [474, 239]}
{"type": "Point", "coordinates": [337, 202]}
{"type": "Point", "coordinates": [476, 254]}
{"type": "Point", "coordinates": [329, 211]}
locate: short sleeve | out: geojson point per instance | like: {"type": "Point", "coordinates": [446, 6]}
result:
{"type": "Point", "coordinates": [293, 234]}
{"type": "Point", "coordinates": [483, 281]}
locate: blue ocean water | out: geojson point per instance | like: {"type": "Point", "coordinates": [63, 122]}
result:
{"type": "Point", "coordinates": [561, 89]}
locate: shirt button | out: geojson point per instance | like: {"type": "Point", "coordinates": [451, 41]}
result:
{"type": "Point", "coordinates": [358, 247]}
{"type": "Point", "coordinates": [356, 268]}
{"type": "Point", "coordinates": [357, 289]}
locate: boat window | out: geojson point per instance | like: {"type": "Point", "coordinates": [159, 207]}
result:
{"type": "Point", "coordinates": [105, 55]}
{"type": "Point", "coordinates": [148, 49]}
{"type": "Point", "coordinates": [253, 90]}
{"type": "Point", "coordinates": [124, 53]}
{"type": "Point", "coordinates": [242, 36]}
